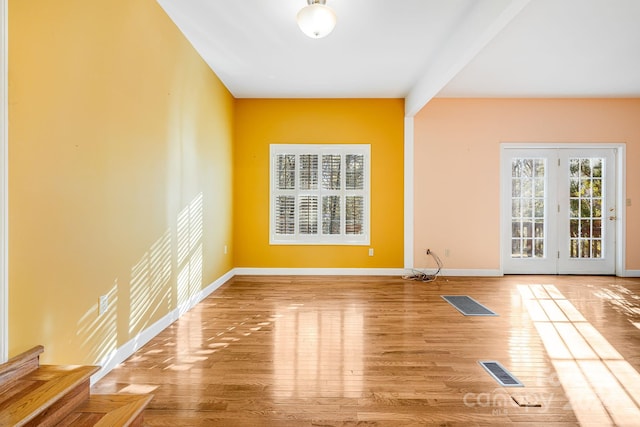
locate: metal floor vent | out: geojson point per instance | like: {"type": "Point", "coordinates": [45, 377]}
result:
{"type": "Point", "coordinates": [468, 306]}
{"type": "Point", "coordinates": [500, 373]}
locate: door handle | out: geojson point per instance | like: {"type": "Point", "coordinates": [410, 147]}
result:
{"type": "Point", "coordinates": [612, 218]}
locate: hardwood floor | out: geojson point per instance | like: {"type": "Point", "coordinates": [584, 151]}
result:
{"type": "Point", "coordinates": [383, 351]}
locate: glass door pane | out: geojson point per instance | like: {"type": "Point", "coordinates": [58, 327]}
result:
{"type": "Point", "coordinates": [586, 209]}
{"type": "Point", "coordinates": [528, 207]}
{"type": "Point", "coordinates": [529, 226]}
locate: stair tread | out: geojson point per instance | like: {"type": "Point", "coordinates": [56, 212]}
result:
{"type": "Point", "coordinates": [48, 395]}
{"type": "Point", "coordinates": [115, 409]}
{"type": "Point", "coordinates": [47, 385]}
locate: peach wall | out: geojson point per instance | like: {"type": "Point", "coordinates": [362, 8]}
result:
{"type": "Point", "coordinates": [457, 173]}
{"type": "Point", "coordinates": [120, 159]}
{"type": "Point", "coordinates": [262, 122]}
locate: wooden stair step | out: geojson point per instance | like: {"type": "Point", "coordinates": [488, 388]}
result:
{"type": "Point", "coordinates": [19, 366]}
{"type": "Point", "coordinates": [109, 410]}
{"type": "Point", "coordinates": [48, 394]}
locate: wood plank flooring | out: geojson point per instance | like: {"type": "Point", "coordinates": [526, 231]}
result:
{"type": "Point", "coordinates": [383, 351]}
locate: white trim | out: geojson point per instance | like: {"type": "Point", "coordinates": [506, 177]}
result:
{"type": "Point", "coordinates": [119, 355]}
{"type": "Point", "coordinates": [630, 273]}
{"type": "Point", "coordinates": [248, 271]}
{"type": "Point", "coordinates": [258, 271]}
{"type": "Point", "coordinates": [458, 52]}
{"type": "Point", "coordinates": [470, 272]}
{"type": "Point", "coordinates": [503, 188]}
{"type": "Point", "coordinates": [621, 206]}
{"type": "Point", "coordinates": [408, 191]}
{"type": "Point", "coordinates": [4, 186]}
{"type": "Point", "coordinates": [318, 193]}
{"type": "Point", "coordinates": [554, 145]}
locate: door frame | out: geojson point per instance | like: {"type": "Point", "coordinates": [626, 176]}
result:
{"type": "Point", "coordinates": [619, 185]}
{"type": "Point", "coordinates": [4, 188]}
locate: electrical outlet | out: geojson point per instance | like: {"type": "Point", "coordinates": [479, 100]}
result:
{"type": "Point", "coordinates": [447, 252]}
{"type": "Point", "coordinates": [225, 249]}
{"type": "Point", "coordinates": [370, 251]}
{"type": "Point", "coordinates": [104, 304]}
{"type": "Point", "coordinates": [428, 251]}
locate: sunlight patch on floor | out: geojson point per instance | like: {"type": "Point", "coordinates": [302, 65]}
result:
{"type": "Point", "coordinates": [598, 382]}
{"type": "Point", "coordinates": [310, 344]}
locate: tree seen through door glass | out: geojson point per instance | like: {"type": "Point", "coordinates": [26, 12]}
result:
{"type": "Point", "coordinates": [585, 207]}
{"type": "Point", "coordinates": [528, 208]}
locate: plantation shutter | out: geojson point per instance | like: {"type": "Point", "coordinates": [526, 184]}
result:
{"type": "Point", "coordinates": [319, 194]}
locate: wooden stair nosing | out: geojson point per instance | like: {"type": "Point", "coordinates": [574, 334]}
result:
{"type": "Point", "coordinates": [62, 396]}
{"type": "Point", "coordinates": [119, 409]}
{"type": "Point", "coordinates": [20, 365]}
{"type": "Point", "coordinates": [57, 381]}
{"type": "Point", "coordinates": [51, 415]}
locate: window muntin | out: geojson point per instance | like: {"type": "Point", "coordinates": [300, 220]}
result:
{"type": "Point", "coordinates": [528, 197]}
{"type": "Point", "coordinates": [586, 198]}
{"type": "Point", "coordinates": [320, 194]}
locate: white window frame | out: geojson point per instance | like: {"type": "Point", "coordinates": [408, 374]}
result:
{"type": "Point", "coordinates": [297, 238]}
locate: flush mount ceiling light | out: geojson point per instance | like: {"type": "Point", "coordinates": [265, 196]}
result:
{"type": "Point", "coordinates": [316, 19]}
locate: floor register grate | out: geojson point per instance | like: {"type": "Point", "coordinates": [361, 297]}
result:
{"type": "Point", "coordinates": [468, 306]}
{"type": "Point", "coordinates": [500, 373]}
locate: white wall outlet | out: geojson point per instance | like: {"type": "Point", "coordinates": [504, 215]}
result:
{"type": "Point", "coordinates": [104, 304]}
{"type": "Point", "coordinates": [225, 249]}
{"type": "Point", "coordinates": [370, 251]}
{"type": "Point", "coordinates": [447, 252]}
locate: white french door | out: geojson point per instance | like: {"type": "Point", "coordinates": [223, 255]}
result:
{"type": "Point", "coordinates": [559, 210]}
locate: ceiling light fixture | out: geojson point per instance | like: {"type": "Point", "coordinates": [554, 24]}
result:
{"type": "Point", "coordinates": [316, 19]}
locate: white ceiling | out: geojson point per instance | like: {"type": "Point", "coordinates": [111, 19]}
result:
{"type": "Point", "coordinates": [419, 49]}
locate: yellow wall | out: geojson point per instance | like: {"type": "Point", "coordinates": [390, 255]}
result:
{"type": "Point", "coordinates": [457, 167]}
{"type": "Point", "coordinates": [329, 121]}
{"type": "Point", "coordinates": [120, 153]}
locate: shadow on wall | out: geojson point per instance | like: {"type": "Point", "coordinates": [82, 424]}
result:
{"type": "Point", "coordinates": [149, 289]}
{"type": "Point", "coordinates": [166, 277]}
{"type": "Point", "coordinates": [190, 229]}
{"type": "Point", "coordinates": [98, 332]}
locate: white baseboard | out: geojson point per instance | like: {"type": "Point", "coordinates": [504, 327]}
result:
{"type": "Point", "coordinates": [358, 272]}
{"type": "Point", "coordinates": [630, 273]}
{"type": "Point", "coordinates": [452, 272]}
{"type": "Point", "coordinates": [249, 271]}
{"type": "Point", "coordinates": [121, 354]}
{"type": "Point", "coordinates": [471, 272]}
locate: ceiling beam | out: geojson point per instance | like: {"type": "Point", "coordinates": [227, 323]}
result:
{"type": "Point", "coordinates": [458, 51]}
